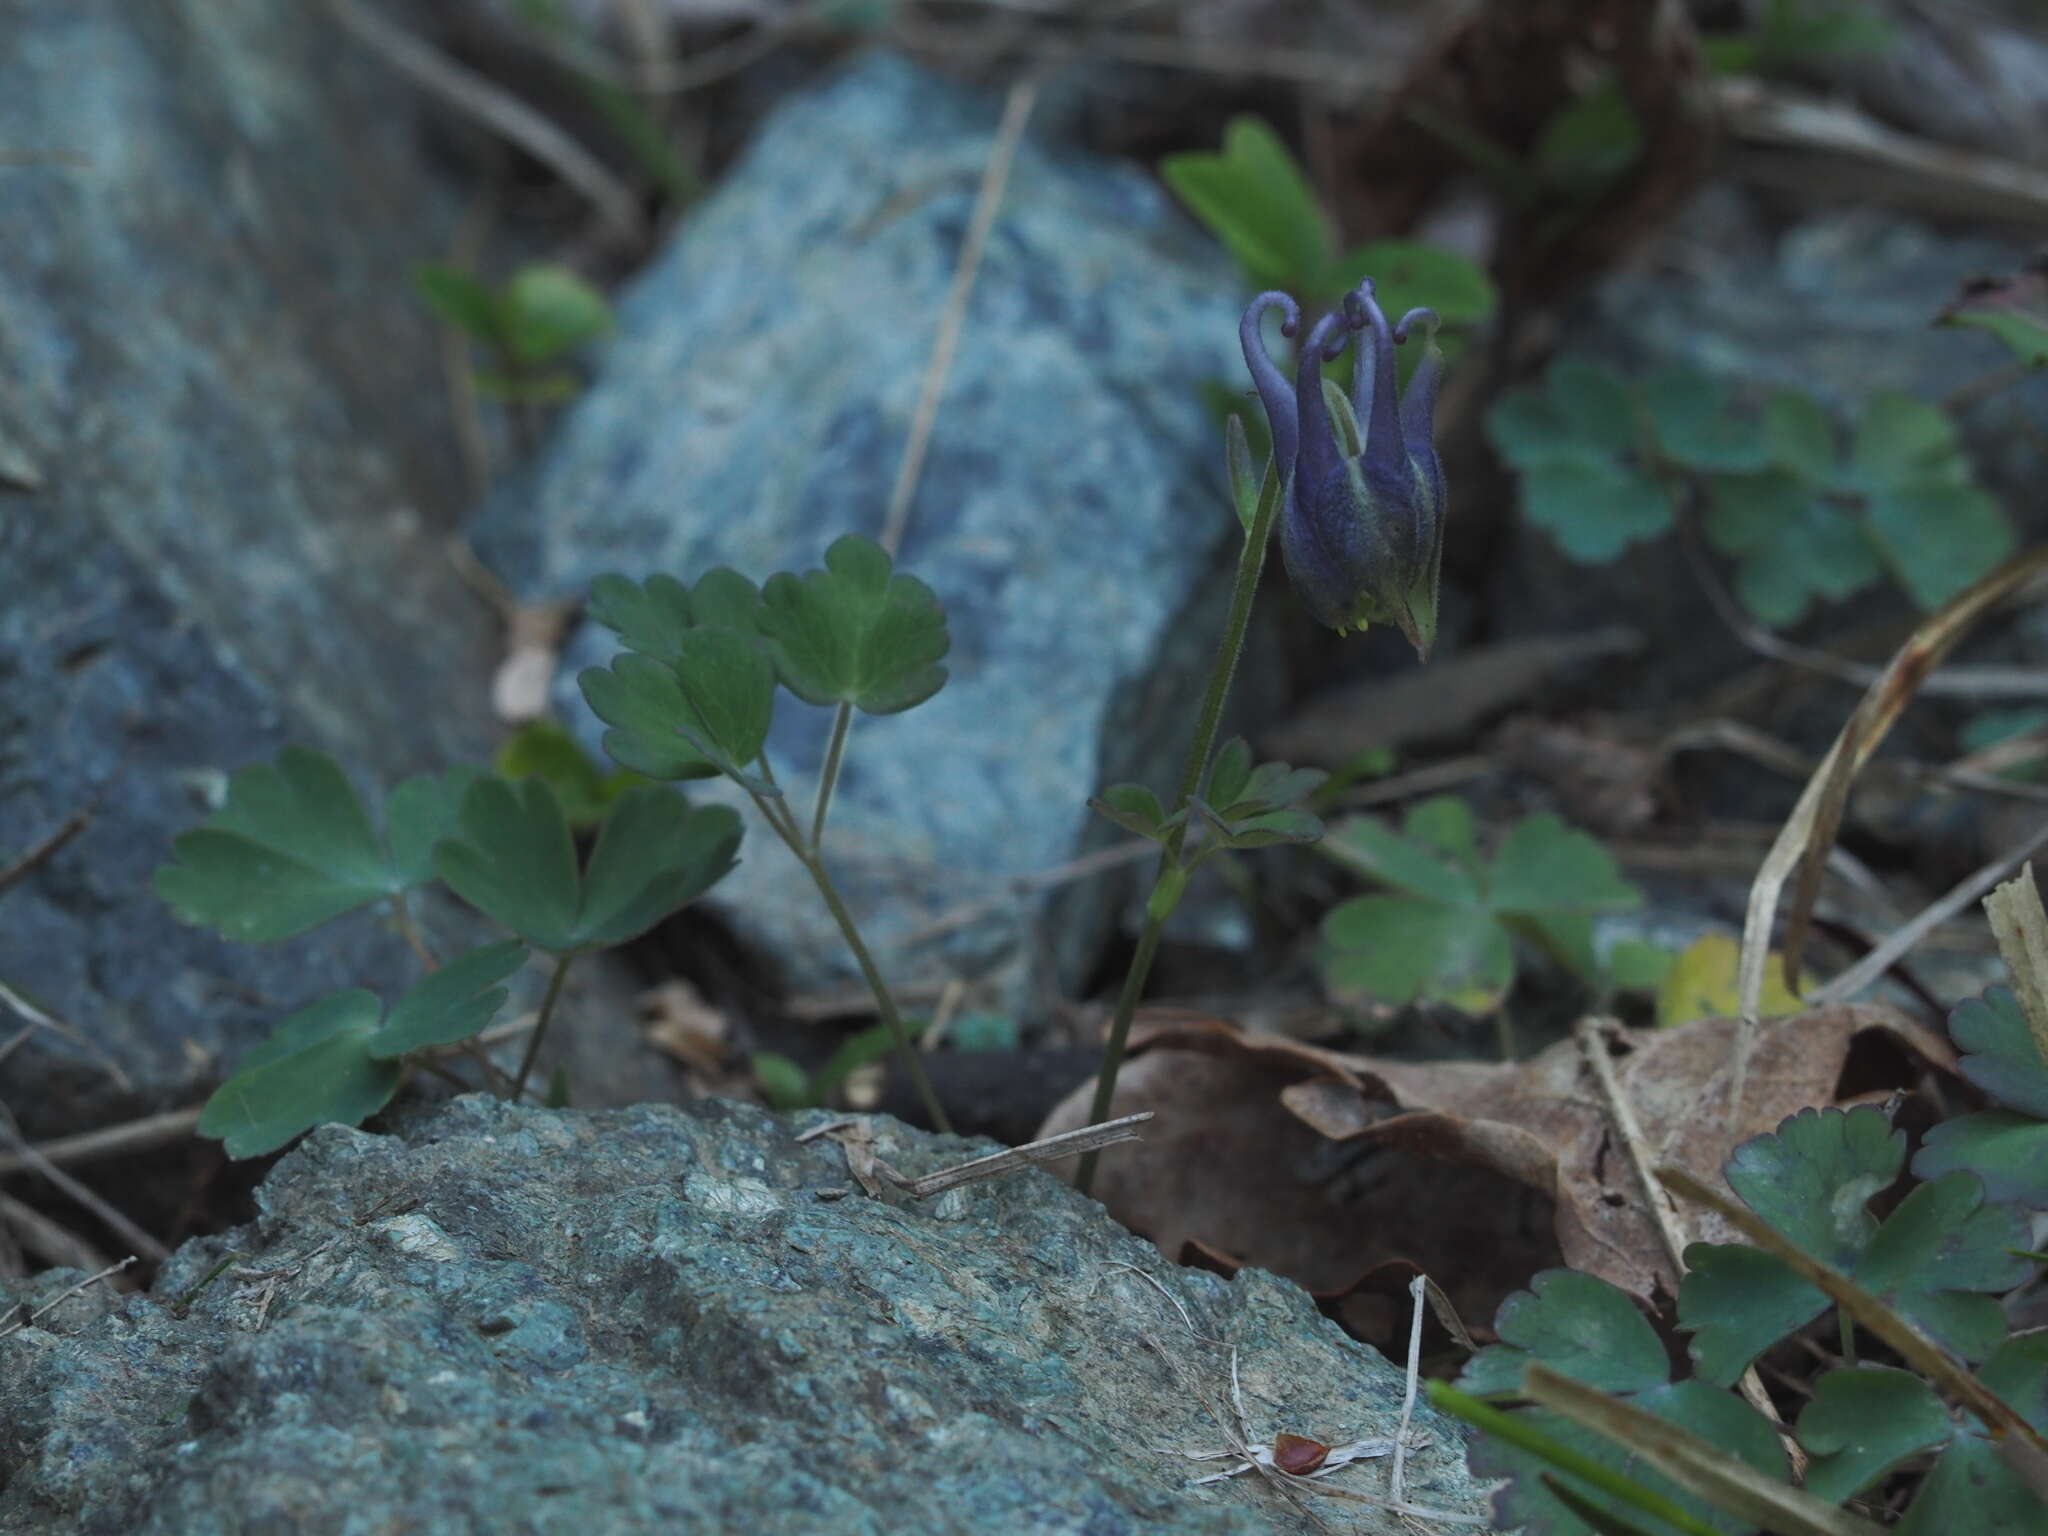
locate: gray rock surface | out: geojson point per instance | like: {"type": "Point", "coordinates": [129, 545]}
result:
{"type": "Point", "coordinates": [225, 473]}
{"type": "Point", "coordinates": [755, 406]}
{"type": "Point", "coordinates": [658, 1319]}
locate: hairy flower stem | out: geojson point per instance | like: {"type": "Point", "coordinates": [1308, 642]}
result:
{"type": "Point", "coordinates": [778, 817]}
{"type": "Point", "coordinates": [1171, 880]}
{"type": "Point", "coordinates": [540, 1025]}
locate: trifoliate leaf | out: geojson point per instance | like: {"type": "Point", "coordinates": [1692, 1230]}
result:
{"type": "Point", "coordinates": [1450, 937]}
{"type": "Point", "coordinates": [855, 633]}
{"type": "Point", "coordinates": [315, 1068]}
{"type": "Point", "coordinates": [1411, 273]}
{"type": "Point", "coordinates": [1576, 1324]}
{"type": "Point", "coordinates": [1933, 1260]}
{"type": "Point", "coordinates": [653, 616]}
{"type": "Point", "coordinates": [1938, 536]}
{"type": "Point", "coordinates": [1545, 866]}
{"type": "Point", "coordinates": [1394, 949]}
{"type": "Point", "coordinates": [293, 847]}
{"type": "Point", "coordinates": [1799, 436]}
{"type": "Point", "coordinates": [643, 702]}
{"type": "Point", "coordinates": [452, 1004]}
{"type": "Point", "coordinates": [1255, 200]}
{"type": "Point", "coordinates": [1695, 424]}
{"type": "Point", "coordinates": [1596, 508]}
{"type": "Point", "coordinates": [1375, 849]}
{"type": "Point", "coordinates": [1792, 545]}
{"type": "Point", "coordinates": [513, 860]}
{"type": "Point", "coordinates": [548, 311]}
{"type": "Point", "coordinates": [1971, 1487]}
{"type": "Point", "coordinates": [1899, 439]}
{"type": "Point", "coordinates": [1584, 410]}
{"type": "Point", "coordinates": [1865, 1422]}
{"type": "Point", "coordinates": [1737, 1302]}
{"type": "Point", "coordinates": [1589, 1330]}
{"type": "Point", "coordinates": [2006, 1147]}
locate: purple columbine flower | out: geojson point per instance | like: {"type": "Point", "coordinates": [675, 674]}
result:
{"type": "Point", "coordinates": [1361, 522]}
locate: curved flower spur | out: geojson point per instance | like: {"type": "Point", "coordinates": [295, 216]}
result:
{"type": "Point", "coordinates": [1361, 523]}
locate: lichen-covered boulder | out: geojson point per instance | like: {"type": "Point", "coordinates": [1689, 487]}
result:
{"type": "Point", "coordinates": [1070, 513]}
{"type": "Point", "coordinates": [677, 1320]}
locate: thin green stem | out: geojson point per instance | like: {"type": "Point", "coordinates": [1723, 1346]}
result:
{"type": "Point", "coordinates": [410, 930]}
{"type": "Point", "coordinates": [540, 1025]}
{"type": "Point", "coordinates": [885, 1004]}
{"type": "Point", "coordinates": [778, 818]}
{"type": "Point", "coordinates": [1171, 879]}
{"type": "Point", "coordinates": [842, 718]}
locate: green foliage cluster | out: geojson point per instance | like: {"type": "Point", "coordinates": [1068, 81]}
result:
{"type": "Point", "coordinates": [691, 697]}
{"type": "Point", "coordinates": [1256, 200]}
{"type": "Point", "coordinates": [293, 847]}
{"type": "Point", "coordinates": [1446, 928]}
{"type": "Point", "coordinates": [1805, 513]}
{"type": "Point", "coordinates": [534, 321]}
{"type": "Point", "coordinates": [1940, 1259]}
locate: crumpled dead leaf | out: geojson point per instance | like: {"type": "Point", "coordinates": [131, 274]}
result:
{"type": "Point", "coordinates": [1248, 1154]}
{"type": "Point", "coordinates": [679, 1022]}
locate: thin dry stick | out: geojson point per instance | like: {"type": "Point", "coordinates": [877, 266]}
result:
{"type": "Point", "coordinates": [1910, 667]}
{"type": "Point", "coordinates": [497, 109]}
{"type": "Point", "coordinates": [65, 1295]}
{"type": "Point", "coordinates": [1961, 895]}
{"type": "Point", "coordinates": [1592, 1033]}
{"type": "Point", "coordinates": [71, 826]}
{"type": "Point", "coordinates": [109, 1141]}
{"type": "Point", "coordinates": [126, 1229]}
{"type": "Point", "coordinates": [1088, 1138]}
{"type": "Point", "coordinates": [1416, 1287]}
{"type": "Point", "coordinates": [1009, 132]}
{"type": "Point", "coordinates": [37, 1233]}
{"type": "Point", "coordinates": [1956, 682]}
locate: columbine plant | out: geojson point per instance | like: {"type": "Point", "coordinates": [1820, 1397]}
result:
{"type": "Point", "coordinates": [1354, 485]}
{"type": "Point", "coordinates": [292, 847]}
{"type": "Point", "coordinates": [1358, 492]}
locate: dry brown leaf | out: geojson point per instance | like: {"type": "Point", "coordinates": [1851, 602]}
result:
{"type": "Point", "coordinates": [678, 1021]}
{"type": "Point", "coordinates": [1231, 1163]}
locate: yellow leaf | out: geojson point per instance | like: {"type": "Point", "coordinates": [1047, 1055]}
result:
{"type": "Point", "coordinates": [1701, 984]}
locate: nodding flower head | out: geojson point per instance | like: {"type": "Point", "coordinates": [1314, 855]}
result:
{"type": "Point", "coordinates": [1361, 523]}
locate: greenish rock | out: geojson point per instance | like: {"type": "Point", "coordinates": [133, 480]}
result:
{"type": "Point", "coordinates": [677, 1320]}
{"type": "Point", "coordinates": [227, 474]}
{"type": "Point", "coordinates": [1071, 515]}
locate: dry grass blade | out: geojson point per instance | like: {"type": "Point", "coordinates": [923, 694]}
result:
{"type": "Point", "coordinates": [490, 104]}
{"type": "Point", "coordinates": [1916, 1348]}
{"type": "Point", "coordinates": [1887, 954]}
{"type": "Point", "coordinates": [1808, 833]}
{"type": "Point", "coordinates": [2022, 928]}
{"type": "Point", "coordinates": [1696, 1465]}
{"type": "Point", "coordinates": [1089, 1138]}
